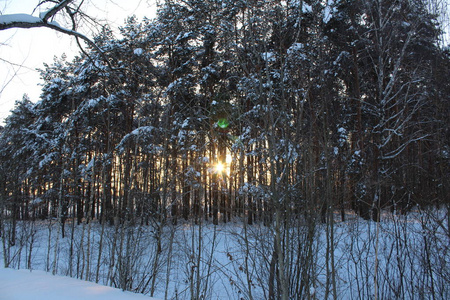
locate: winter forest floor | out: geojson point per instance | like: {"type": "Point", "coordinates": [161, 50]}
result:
{"type": "Point", "coordinates": [401, 257]}
{"type": "Point", "coordinates": [26, 285]}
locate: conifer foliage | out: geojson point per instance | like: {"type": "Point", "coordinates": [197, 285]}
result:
{"type": "Point", "coordinates": [307, 106]}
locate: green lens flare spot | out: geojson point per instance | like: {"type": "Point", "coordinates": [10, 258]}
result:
{"type": "Point", "coordinates": [223, 123]}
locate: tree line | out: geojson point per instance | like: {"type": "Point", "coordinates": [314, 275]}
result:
{"type": "Point", "coordinates": [260, 110]}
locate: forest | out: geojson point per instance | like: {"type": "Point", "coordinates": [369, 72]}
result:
{"type": "Point", "coordinates": [276, 116]}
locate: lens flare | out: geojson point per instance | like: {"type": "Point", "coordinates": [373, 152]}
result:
{"type": "Point", "coordinates": [223, 123]}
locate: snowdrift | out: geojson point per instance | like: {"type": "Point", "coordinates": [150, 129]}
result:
{"type": "Point", "coordinates": [38, 285]}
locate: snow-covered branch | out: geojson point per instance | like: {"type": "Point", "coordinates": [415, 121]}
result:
{"type": "Point", "coordinates": [27, 21]}
{"type": "Point", "coordinates": [50, 13]}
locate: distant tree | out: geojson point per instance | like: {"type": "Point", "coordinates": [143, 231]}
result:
{"type": "Point", "coordinates": [16, 154]}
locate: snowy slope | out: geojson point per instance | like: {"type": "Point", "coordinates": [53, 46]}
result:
{"type": "Point", "coordinates": [38, 285]}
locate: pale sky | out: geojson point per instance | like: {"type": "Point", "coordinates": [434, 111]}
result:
{"type": "Point", "coordinates": [27, 49]}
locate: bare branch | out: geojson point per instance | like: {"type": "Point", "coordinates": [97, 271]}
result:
{"type": "Point", "coordinates": [55, 10]}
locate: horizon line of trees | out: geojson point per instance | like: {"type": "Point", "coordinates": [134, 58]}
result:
{"type": "Point", "coordinates": [313, 106]}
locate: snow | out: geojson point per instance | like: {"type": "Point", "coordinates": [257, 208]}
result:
{"type": "Point", "coordinates": [297, 50]}
{"type": "Point", "coordinates": [92, 103]}
{"type": "Point", "coordinates": [307, 8]}
{"type": "Point", "coordinates": [406, 24]}
{"type": "Point", "coordinates": [26, 285]}
{"type": "Point", "coordinates": [26, 18]}
{"type": "Point", "coordinates": [185, 123]}
{"type": "Point", "coordinates": [296, 47]}
{"type": "Point", "coordinates": [142, 130]}
{"type": "Point", "coordinates": [183, 36]}
{"type": "Point", "coordinates": [327, 14]}
{"type": "Point", "coordinates": [269, 56]}
{"type": "Point", "coordinates": [138, 51]}
{"type": "Point", "coordinates": [90, 164]}
{"type": "Point", "coordinates": [43, 13]}
{"type": "Point", "coordinates": [219, 254]}
{"type": "Point", "coordinates": [19, 18]}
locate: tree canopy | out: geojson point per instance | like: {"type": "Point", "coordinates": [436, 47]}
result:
{"type": "Point", "coordinates": [308, 105]}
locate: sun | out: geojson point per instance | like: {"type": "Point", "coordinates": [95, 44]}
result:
{"type": "Point", "coordinates": [219, 168]}
{"type": "Point", "coordinates": [223, 167]}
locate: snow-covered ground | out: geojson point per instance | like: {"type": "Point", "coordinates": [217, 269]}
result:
{"type": "Point", "coordinates": [401, 257]}
{"type": "Point", "coordinates": [38, 285]}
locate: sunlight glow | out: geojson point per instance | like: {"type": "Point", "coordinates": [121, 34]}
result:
{"type": "Point", "coordinates": [223, 168]}
{"type": "Point", "coordinates": [220, 167]}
